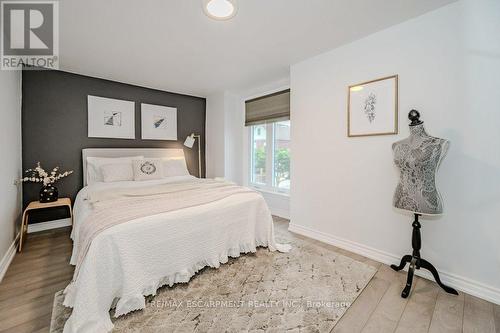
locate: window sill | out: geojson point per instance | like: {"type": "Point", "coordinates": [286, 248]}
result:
{"type": "Point", "coordinates": [267, 191]}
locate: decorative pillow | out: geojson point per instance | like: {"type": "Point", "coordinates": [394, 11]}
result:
{"type": "Point", "coordinates": [117, 172]}
{"type": "Point", "coordinates": [94, 166]}
{"type": "Point", "coordinates": [147, 169]}
{"type": "Point", "coordinates": [174, 167]}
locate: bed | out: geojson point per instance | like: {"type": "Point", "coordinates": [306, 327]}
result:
{"type": "Point", "coordinates": [186, 224]}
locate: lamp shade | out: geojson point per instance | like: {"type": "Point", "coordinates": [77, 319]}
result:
{"type": "Point", "coordinates": [189, 142]}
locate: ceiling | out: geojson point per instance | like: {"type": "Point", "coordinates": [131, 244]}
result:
{"type": "Point", "coordinates": [171, 45]}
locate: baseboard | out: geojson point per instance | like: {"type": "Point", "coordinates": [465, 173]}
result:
{"type": "Point", "coordinates": [8, 257]}
{"type": "Point", "coordinates": [36, 227]}
{"type": "Point", "coordinates": [466, 285]}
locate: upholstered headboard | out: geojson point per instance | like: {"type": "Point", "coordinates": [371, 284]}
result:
{"type": "Point", "coordinates": [124, 152]}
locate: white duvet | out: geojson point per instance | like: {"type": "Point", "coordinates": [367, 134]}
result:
{"type": "Point", "coordinates": [133, 259]}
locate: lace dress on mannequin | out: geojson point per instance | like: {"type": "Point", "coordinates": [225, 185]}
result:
{"type": "Point", "coordinates": [418, 158]}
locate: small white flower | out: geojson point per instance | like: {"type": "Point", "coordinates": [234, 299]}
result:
{"type": "Point", "coordinates": [38, 175]}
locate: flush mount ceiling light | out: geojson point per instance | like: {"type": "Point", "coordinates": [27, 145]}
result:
{"type": "Point", "coordinates": [220, 9]}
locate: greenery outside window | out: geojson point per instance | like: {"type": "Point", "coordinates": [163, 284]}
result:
{"type": "Point", "coordinates": [270, 156]}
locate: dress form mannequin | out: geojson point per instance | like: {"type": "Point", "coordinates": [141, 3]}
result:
{"type": "Point", "coordinates": [418, 157]}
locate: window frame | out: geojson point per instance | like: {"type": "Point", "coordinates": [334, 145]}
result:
{"type": "Point", "coordinates": [270, 163]}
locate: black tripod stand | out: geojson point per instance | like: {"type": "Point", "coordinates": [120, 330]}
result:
{"type": "Point", "coordinates": [416, 262]}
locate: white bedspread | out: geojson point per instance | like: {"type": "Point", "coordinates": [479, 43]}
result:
{"type": "Point", "coordinates": [134, 259]}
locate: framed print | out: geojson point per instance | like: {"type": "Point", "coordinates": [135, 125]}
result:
{"type": "Point", "coordinates": [158, 122]}
{"type": "Point", "coordinates": [372, 107]}
{"type": "Point", "coordinates": [110, 118]}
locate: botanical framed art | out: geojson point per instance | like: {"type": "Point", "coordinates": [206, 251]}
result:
{"type": "Point", "coordinates": [158, 122]}
{"type": "Point", "coordinates": [372, 107]}
{"type": "Point", "coordinates": [110, 118]}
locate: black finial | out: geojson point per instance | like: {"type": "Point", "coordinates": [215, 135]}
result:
{"type": "Point", "coordinates": [414, 116]}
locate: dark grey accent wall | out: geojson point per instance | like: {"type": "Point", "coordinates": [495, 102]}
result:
{"type": "Point", "coordinates": [54, 125]}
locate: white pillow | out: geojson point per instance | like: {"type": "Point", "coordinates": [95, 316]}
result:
{"type": "Point", "coordinates": [94, 164]}
{"type": "Point", "coordinates": [117, 172]}
{"type": "Point", "coordinates": [174, 167]}
{"type": "Point", "coordinates": [148, 169]}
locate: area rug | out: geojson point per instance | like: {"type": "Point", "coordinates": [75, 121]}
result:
{"type": "Point", "coordinates": [307, 289]}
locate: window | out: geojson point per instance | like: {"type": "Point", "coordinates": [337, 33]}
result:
{"type": "Point", "coordinates": [270, 156]}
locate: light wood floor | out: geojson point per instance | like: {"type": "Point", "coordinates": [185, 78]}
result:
{"type": "Point", "coordinates": [42, 269]}
{"type": "Point", "coordinates": [34, 276]}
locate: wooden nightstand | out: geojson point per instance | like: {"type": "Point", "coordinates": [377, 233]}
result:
{"type": "Point", "coordinates": [34, 205]}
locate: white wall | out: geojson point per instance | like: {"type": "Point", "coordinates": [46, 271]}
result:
{"type": "Point", "coordinates": [10, 150]}
{"type": "Point", "coordinates": [214, 136]}
{"type": "Point", "coordinates": [223, 137]}
{"type": "Point", "coordinates": [448, 63]}
{"type": "Point", "coordinates": [234, 123]}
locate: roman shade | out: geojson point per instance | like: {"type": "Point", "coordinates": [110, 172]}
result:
{"type": "Point", "coordinates": [267, 109]}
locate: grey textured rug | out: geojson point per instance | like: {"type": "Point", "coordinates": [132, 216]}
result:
{"type": "Point", "coordinates": [307, 289]}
